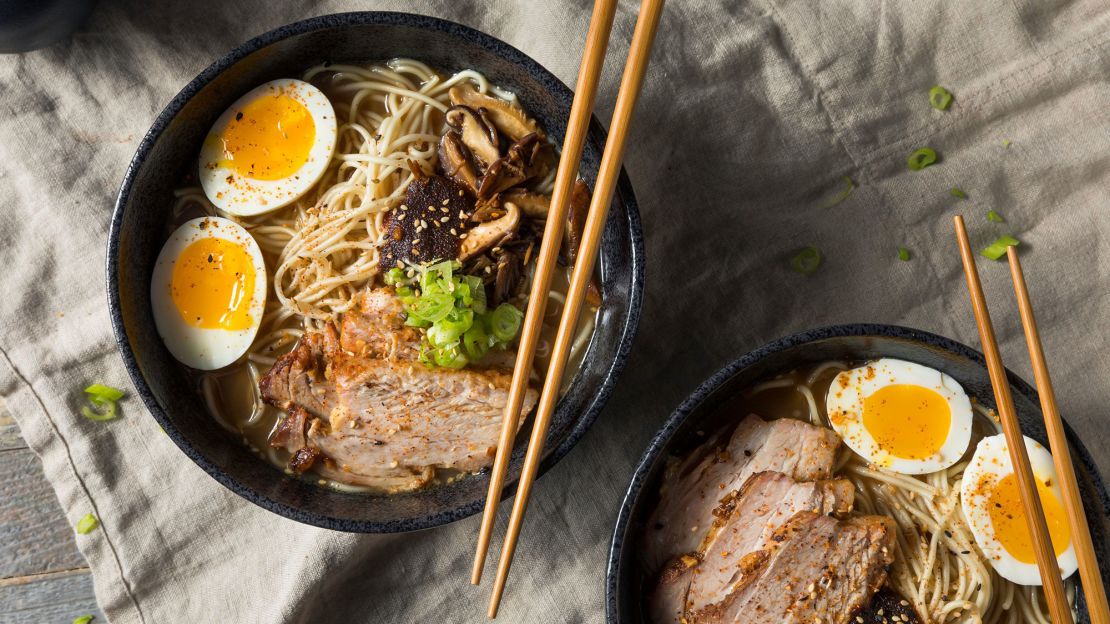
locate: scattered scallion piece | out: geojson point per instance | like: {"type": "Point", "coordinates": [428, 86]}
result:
{"type": "Point", "coordinates": [102, 402]}
{"type": "Point", "coordinates": [87, 523]}
{"type": "Point", "coordinates": [849, 186]}
{"type": "Point", "coordinates": [957, 193]}
{"type": "Point", "coordinates": [806, 260]}
{"type": "Point", "coordinates": [994, 217]}
{"type": "Point", "coordinates": [452, 312]}
{"type": "Point", "coordinates": [1005, 142]}
{"type": "Point", "coordinates": [903, 254]}
{"type": "Point", "coordinates": [940, 98]}
{"type": "Point", "coordinates": [921, 158]}
{"type": "Point", "coordinates": [997, 249]}
{"type": "Point", "coordinates": [82, 619]}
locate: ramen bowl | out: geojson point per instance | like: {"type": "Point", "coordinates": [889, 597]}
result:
{"type": "Point", "coordinates": [169, 151]}
{"type": "Point", "coordinates": [707, 410]}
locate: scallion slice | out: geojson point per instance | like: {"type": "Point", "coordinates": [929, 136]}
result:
{"type": "Point", "coordinates": [82, 619]}
{"type": "Point", "coordinates": [940, 98]}
{"type": "Point", "coordinates": [504, 322]}
{"type": "Point", "coordinates": [994, 217]}
{"type": "Point", "coordinates": [86, 524]}
{"type": "Point", "coordinates": [806, 260]}
{"type": "Point", "coordinates": [997, 249]}
{"type": "Point", "coordinates": [957, 193]}
{"type": "Point", "coordinates": [903, 254]}
{"type": "Point", "coordinates": [921, 158]}
{"type": "Point", "coordinates": [849, 186]}
{"type": "Point", "coordinates": [104, 393]}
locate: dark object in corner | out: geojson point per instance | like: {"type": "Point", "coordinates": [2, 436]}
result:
{"type": "Point", "coordinates": [27, 25]}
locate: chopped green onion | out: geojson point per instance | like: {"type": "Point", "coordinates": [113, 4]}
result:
{"type": "Point", "coordinates": [451, 328]}
{"type": "Point", "coordinates": [107, 411]}
{"type": "Point", "coordinates": [504, 322]}
{"type": "Point", "coordinates": [477, 294]}
{"type": "Point", "coordinates": [433, 307]}
{"type": "Point", "coordinates": [476, 342]}
{"type": "Point", "coordinates": [86, 524]}
{"type": "Point", "coordinates": [995, 217]}
{"type": "Point", "coordinates": [449, 357]}
{"type": "Point", "coordinates": [82, 619]}
{"type": "Point", "coordinates": [849, 186]}
{"type": "Point", "coordinates": [903, 254]}
{"type": "Point", "coordinates": [997, 249]}
{"type": "Point", "coordinates": [1005, 142]}
{"type": "Point", "coordinates": [394, 276]}
{"type": "Point", "coordinates": [940, 98]}
{"type": "Point", "coordinates": [957, 193]}
{"type": "Point", "coordinates": [921, 158]}
{"type": "Point", "coordinates": [806, 260]}
{"type": "Point", "coordinates": [103, 393]}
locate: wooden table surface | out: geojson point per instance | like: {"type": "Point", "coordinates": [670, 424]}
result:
{"type": "Point", "coordinates": [43, 577]}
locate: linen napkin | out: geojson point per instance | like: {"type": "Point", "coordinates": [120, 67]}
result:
{"type": "Point", "coordinates": [753, 114]}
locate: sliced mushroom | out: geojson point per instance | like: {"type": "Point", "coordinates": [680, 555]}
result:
{"type": "Point", "coordinates": [482, 139]}
{"type": "Point", "coordinates": [533, 205]}
{"type": "Point", "coordinates": [576, 220]}
{"type": "Point", "coordinates": [454, 161]}
{"type": "Point", "coordinates": [490, 233]}
{"type": "Point", "coordinates": [509, 119]}
{"type": "Point", "coordinates": [509, 270]}
{"type": "Point", "coordinates": [522, 162]}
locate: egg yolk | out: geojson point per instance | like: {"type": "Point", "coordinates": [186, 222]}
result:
{"type": "Point", "coordinates": [907, 421]}
{"type": "Point", "coordinates": [212, 285]}
{"type": "Point", "coordinates": [269, 139]}
{"type": "Point", "coordinates": [1008, 519]}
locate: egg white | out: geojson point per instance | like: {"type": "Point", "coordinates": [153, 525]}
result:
{"type": "Point", "coordinates": [197, 347]}
{"type": "Point", "coordinates": [850, 388]}
{"type": "Point", "coordinates": [243, 196]}
{"type": "Point", "coordinates": [991, 462]}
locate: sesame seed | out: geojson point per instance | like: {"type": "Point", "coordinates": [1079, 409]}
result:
{"type": "Point", "coordinates": [446, 201]}
{"type": "Point", "coordinates": [444, 219]}
{"type": "Point", "coordinates": [423, 223]}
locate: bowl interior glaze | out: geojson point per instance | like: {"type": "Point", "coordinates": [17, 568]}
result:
{"type": "Point", "coordinates": [170, 150]}
{"type": "Point", "coordinates": [625, 582]}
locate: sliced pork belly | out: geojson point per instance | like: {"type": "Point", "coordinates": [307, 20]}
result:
{"type": "Point", "coordinates": [371, 414]}
{"type": "Point", "coordinates": [744, 523]}
{"type": "Point", "coordinates": [299, 378]}
{"type": "Point", "coordinates": [819, 569]}
{"type": "Point", "coordinates": [693, 489]}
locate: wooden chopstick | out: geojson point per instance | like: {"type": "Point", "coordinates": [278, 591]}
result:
{"type": "Point", "coordinates": [1093, 588]}
{"type": "Point", "coordinates": [608, 173]}
{"type": "Point", "coordinates": [581, 112]}
{"type": "Point", "coordinates": [1042, 546]}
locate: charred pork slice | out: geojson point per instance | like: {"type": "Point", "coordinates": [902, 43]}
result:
{"type": "Point", "coordinates": [299, 378]}
{"type": "Point", "coordinates": [376, 329]}
{"type": "Point", "coordinates": [819, 569]}
{"type": "Point", "coordinates": [745, 521]}
{"type": "Point", "coordinates": [371, 414]}
{"type": "Point", "coordinates": [693, 489]}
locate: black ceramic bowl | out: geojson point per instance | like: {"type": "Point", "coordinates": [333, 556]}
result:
{"type": "Point", "coordinates": [170, 150]}
{"type": "Point", "coordinates": [625, 579]}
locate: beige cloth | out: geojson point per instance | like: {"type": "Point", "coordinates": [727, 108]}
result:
{"type": "Point", "coordinates": [752, 113]}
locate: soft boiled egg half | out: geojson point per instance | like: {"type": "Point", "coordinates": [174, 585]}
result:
{"type": "Point", "coordinates": [269, 148]}
{"type": "Point", "coordinates": [900, 415]}
{"type": "Point", "coordinates": [209, 292]}
{"type": "Point", "coordinates": [991, 503]}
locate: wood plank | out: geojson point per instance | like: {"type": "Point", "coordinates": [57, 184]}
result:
{"type": "Point", "coordinates": [9, 431]}
{"type": "Point", "coordinates": [56, 597]}
{"type": "Point", "coordinates": [35, 536]}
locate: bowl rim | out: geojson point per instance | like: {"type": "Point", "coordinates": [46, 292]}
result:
{"type": "Point", "coordinates": [692, 402]}
{"type": "Point", "coordinates": [495, 46]}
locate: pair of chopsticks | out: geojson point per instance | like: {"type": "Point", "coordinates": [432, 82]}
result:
{"type": "Point", "coordinates": [1093, 588]}
{"type": "Point", "coordinates": [593, 58]}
